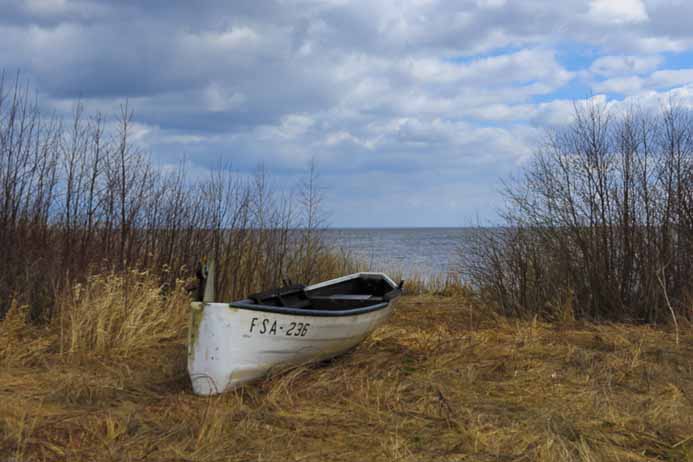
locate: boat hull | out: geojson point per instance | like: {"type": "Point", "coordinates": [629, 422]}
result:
{"type": "Point", "coordinates": [231, 345]}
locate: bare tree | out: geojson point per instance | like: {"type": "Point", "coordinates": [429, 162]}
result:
{"type": "Point", "coordinates": [599, 212]}
{"type": "Point", "coordinates": [78, 197]}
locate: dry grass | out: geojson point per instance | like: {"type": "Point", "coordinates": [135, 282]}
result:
{"type": "Point", "coordinates": [443, 380]}
{"type": "Point", "coordinates": [446, 284]}
{"type": "Point", "coordinates": [118, 315]}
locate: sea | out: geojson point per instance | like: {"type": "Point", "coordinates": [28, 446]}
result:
{"type": "Point", "coordinates": [423, 252]}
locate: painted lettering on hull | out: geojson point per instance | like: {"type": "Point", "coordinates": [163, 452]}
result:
{"type": "Point", "coordinates": [268, 326]}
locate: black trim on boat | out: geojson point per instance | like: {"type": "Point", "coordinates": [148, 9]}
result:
{"type": "Point", "coordinates": [295, 289]}
{"type": "Point", "coordinates": [248, 304]}
{"type": "Point", "coordinates": [347, 296]}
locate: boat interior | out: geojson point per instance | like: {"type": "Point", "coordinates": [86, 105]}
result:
{"type": "Point", "coordinates": [364, 290]}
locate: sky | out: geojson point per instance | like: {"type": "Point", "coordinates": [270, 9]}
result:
{"type": "Point", "coordinates": [415, 111]}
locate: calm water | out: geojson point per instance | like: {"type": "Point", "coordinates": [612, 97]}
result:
{"type": "Point", "coordinates": [424, 251]}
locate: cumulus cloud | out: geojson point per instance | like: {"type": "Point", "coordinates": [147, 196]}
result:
{"type": "Point", "coordinates": [523, 66]}
{"type": "Point", "coordinates": [409, 98]}
{"type": "Point", "coordinates": [622, 85]}
{"type": "Point", "coordinates": [624, 65]}
{"type": "Point", "coordinates": [658, 80]}
{"type": "Point", "coordinates": [618, 11]}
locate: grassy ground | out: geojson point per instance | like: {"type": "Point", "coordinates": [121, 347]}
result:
{"type": "Point", "coordinates": [438, 382]}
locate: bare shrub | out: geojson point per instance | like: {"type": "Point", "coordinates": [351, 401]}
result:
{"type": "Point", "coordinates": [598, 214]}
{"type": "Point", "coordinates": [78, 199]}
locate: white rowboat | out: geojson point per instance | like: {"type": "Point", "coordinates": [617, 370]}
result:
{"type": "Point", "coordinates": [234, 343]}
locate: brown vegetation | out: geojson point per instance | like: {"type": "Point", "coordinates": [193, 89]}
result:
{"type": "Point", "coordinates": [445, 379]}
{"type": "Point", "coordinates": [95, 243]}
{"type": "Point", "coordinates": [78, 199]}
{"type": "Point", "coordinates": [601, 221]}
{"type": "Point", "coordinates": [445, 284]}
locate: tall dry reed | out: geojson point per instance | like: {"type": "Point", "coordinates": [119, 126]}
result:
{"type": "Point", "coordinates": [118, 314]}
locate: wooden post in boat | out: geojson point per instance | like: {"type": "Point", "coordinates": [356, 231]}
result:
{"type": "Point", "coordinates": [205, 281]}
{"type": "Point", "coordinates": [209, 295]}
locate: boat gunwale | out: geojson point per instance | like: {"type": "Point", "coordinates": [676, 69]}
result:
{"type": "Point", "coordinates": [247, 304]}
{"type": "Point", "coordinates": [349, 277]}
